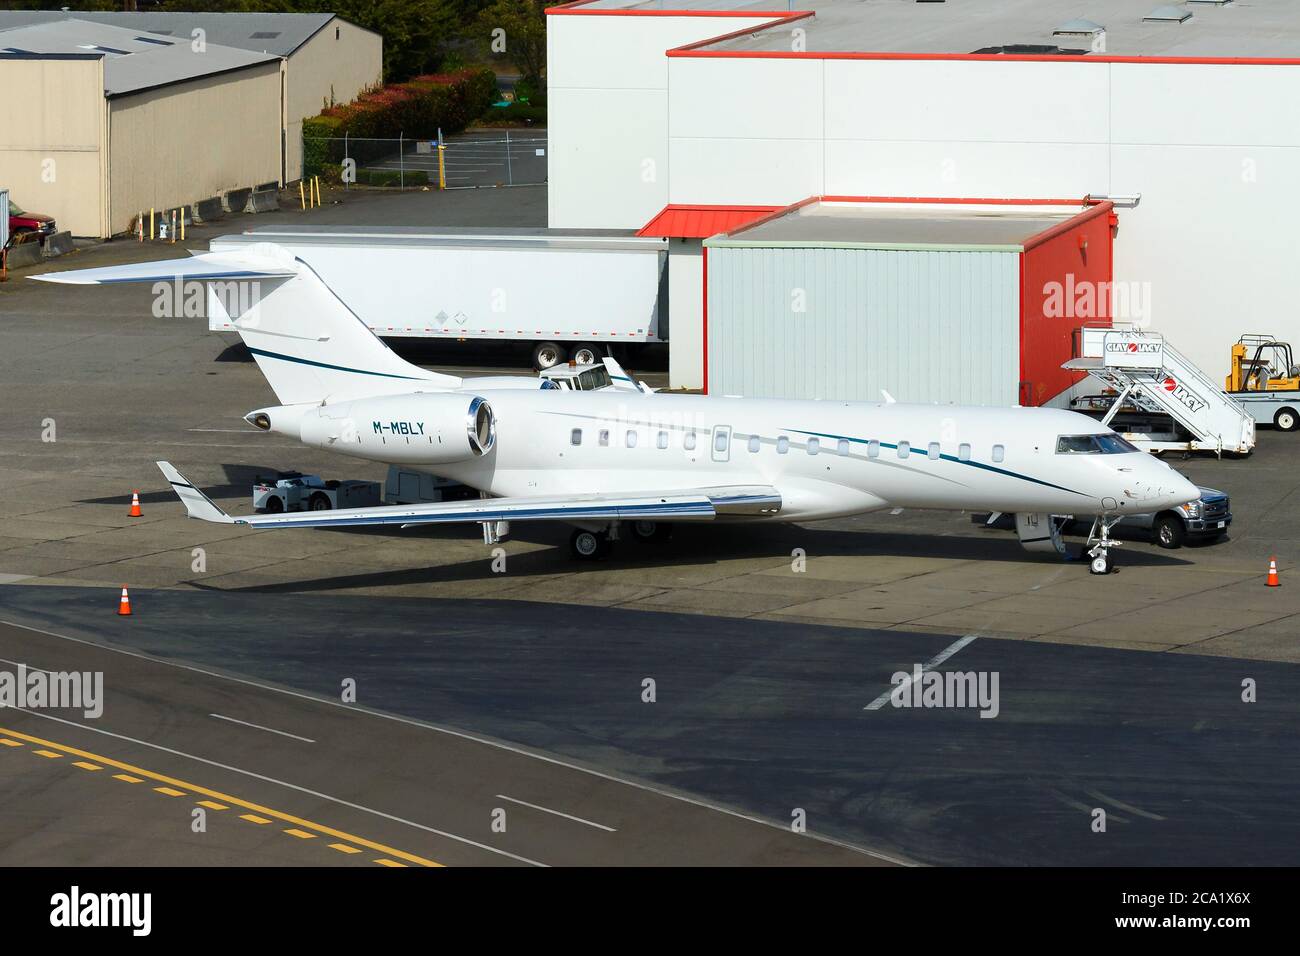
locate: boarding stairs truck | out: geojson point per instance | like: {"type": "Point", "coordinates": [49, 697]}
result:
{"type": "Point", "coordinates": [568, 294]}
{"type": "Point", "coordinates": [1155, 387]}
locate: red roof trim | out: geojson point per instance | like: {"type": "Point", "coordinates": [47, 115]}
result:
{"type": "Point", "coordinates": [687, 221]}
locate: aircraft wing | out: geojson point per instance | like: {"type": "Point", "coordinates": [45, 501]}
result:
{"type": "Point", "coordinates": [702, 504]}
{"type": "Point", "coordinates": [199, 267]}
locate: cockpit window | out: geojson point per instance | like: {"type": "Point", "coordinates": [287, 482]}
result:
{"type": "Point", "coordinates": [1104, 444]}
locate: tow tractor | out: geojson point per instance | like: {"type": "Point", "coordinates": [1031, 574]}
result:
{"type": "Point", "coordinates": [1264, 377]}
{"type": "Point", "coordinates": [294, 491]}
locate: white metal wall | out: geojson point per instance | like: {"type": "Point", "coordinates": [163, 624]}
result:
{"type": "Point", "coordinates": [926, 326]}
{"type": "Point", "coordinates": [607, 113]}
{"type": "Point", "coordinates": [685, 313]}
{"type": "Point", "coordinates": [1212, 149]}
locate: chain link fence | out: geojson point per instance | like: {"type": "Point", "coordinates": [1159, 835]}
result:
{"type": "Point", "coordinates": [494, 157]}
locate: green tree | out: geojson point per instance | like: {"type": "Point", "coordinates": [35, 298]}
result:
{"type": "Point", "coordinates": [515, 31]}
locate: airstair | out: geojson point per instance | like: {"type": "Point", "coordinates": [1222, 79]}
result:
{"type": "Point", "coordinates": [1152, 378]}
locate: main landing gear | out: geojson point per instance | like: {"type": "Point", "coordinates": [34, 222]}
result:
{"type": "Point", "coordinates": [586, 544]}
{"type": "Point", "coordinates": [1099, 544]}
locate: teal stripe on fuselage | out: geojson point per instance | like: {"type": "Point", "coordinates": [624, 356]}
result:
{"type": "Point", "coordinates": [943, 457]}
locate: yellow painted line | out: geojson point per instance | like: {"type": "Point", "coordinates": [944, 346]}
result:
{"type": "Point", "coordinates": [389, 863]}
{"type": "Point", "coordinates": [10, 743]}
{"type": "Point", "coordinates": [227, 798]}
{"type": "Point", "coordinates": [253, 818]}
{"type": "Point", "coordinates": [127, 777]}
{"type": "Point", "coordinates": [213, 805]}
{"type": "Point", "coordinates": [301, 834]}
{"type": "Point", "coordinates": [47, 753]}
{"type": "Point", "coordinates": [86, 765]}
{"type": "Point", "coordinates": [344, 848]}
{"type": "Point", "coordinates": [170, 791]}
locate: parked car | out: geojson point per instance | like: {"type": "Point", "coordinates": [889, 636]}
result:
{"type": "Point", "coordinates": [28, 226]}
{"type": "Point", "coordinates": [1206, 519]}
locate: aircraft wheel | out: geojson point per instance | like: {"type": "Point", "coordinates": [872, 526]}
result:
{"type": "Point", "coordinates": [1101, 564]}
{"type": "Point", "coordinates": [650, 530]}
{"type": "Point", "coordinates": [589, 545]}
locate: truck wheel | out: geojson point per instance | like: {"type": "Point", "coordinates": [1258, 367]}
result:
{"type": "Point", "coordinates": [1169, 531]}
{"type": "Point", "coordinates": [274, 505]}
{"type": "Point", "coordinates": [547, 355]}
{"type": "Point", "coordinates": [586, 354]}
{"type": "Point", "coordinates": [318, 502]}
{"type": "Point", "coordinates": [1286, 420]}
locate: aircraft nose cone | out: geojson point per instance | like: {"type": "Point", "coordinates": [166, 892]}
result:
{"type": "Point", "coordinates": [1184, 491]}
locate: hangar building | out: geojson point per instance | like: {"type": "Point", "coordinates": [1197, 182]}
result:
{"type": "Point", "coordinates": [1186, 118]}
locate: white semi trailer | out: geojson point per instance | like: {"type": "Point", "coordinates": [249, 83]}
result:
{"type": "Point", "coordinates": [570, 294]}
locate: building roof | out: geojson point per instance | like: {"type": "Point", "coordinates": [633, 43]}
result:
{"type": "Point", "coordinates": [872, 223]}
{"type": "Point", "coordinates": [133, 61]}
{"type": "Point", "coordinates": [1259, 29]}
{"type": "Point", "coordinates": [277, 33]}
{"type": "Point", "coordinates": [699, 222]}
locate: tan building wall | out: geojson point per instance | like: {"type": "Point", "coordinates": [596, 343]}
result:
{"type": "Point", "coordinates": [190, 141]}
{"type": "Point", "coordinates": [52, 129]}
{"type": "Point", "coordinates": [334, 66]}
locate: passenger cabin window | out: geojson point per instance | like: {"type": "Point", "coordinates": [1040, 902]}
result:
{"type": "Point", "coordinates": [720, 441]}
{"type": "Point", "coordinates": [1093, 445]}
{"type": "Point", "coordinates": [603, 438]}
{"type": "Point", "coordinates": [933, 451]}
{"type": "Point", "coordinates": [631, 439]}
{"type": "Point", "coordinates": [688, 441]}
{"type": "Point", "coordinates": [662, 440]}
{"type": "Point", "coordinates": [842, 447]}
{"type": "Point", "coordinates": [575, 437]}
{"type": "Point", "coordinates": [814, 446]}
{"type": "Point", "coordinates": [782, 445]}
{"type": "Point", "coordinates": [873, 449]}
{"type": "Point", "coordinates": [963, 452]}
{"type": "Point", "coordinates": [999, 452]}
{"type": "Point", "coordinates": [904, 449]}
{"type": "Point", "coordinates": [754, 443]}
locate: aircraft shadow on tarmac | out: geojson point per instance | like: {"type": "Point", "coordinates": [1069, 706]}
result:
{"type": "Point", "coordinates": [688, 545]}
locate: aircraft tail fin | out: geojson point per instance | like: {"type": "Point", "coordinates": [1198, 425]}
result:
{"type": "Point", "coordinates": [306, 341]}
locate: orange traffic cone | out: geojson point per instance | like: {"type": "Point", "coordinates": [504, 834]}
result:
{"type": "Point", "coordinates": [135, 511]}
{"type": "Point", "coordinates": [124, 606]}
{"type": "Point", "coordinates": [1272, 573]}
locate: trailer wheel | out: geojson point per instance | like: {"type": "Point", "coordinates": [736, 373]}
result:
{"type": "Point", "coordinates": [1286, 420]}
{"type": "Point", "coordinates": [318, 502]}
{"type": "Point", "coordinates": [1169, 531]}
{"type": "Point", "coordinates": [547, 355]}
{"type": "Point", "coordinates": [586, 354]}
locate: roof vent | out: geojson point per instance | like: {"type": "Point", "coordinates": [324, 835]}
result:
{"type": "Point", "coordinates": [1030, 49]}
{"type": "Point", "coordinates": [1078, 28]}
{"type": "Point", "coordinates": [272, 34]}
{"type": "Point", "coordinates": [1170, 13]}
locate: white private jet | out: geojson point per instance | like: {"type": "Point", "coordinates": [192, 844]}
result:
{"type": "Point", "coordinates": [612, 458]}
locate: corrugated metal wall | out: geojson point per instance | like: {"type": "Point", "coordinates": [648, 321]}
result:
{"type": "Point", "coordinates": [928, 326]}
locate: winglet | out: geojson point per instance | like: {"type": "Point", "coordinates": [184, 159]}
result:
{"type": "Point", "coordinates": [197, 504]}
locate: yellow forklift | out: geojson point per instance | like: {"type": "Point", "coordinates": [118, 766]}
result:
{"type": "Point", "coordinates": [1264, 378]}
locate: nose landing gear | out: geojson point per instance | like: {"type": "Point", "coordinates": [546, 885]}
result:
{"type": "Point", "coordinates": [1099, 544]}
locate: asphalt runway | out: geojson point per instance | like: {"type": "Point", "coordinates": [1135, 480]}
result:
{"type": "Point", "coordinates": [764, 719]}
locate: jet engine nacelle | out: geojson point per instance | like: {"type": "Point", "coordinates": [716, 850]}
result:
{"type": "Point", "coordinates": [428, 428]}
